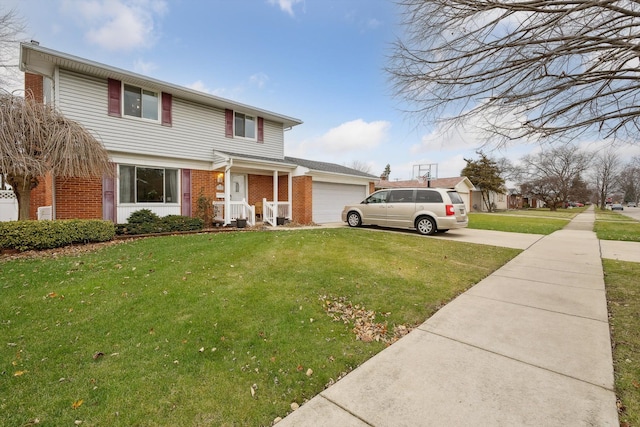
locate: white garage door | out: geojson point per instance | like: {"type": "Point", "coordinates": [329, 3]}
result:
{"type": "Point", "coordinates": [330, 198]}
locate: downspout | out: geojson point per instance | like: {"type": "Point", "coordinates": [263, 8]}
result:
{"type": "Point", "coordinates": [53, 197]}
{"type": "Point", "coordinates": [227, 192]}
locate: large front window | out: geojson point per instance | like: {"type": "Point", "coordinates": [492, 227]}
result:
{"type": "Point", "coordinates": [140, 102]}
{"type": "Point", "coordinates": [148, 185]}
{"type": "Point", "coordinates": [245, 126]}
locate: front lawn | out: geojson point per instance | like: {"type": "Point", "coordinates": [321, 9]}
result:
{"type": "Point", "coordinates": [623, 298]}
{"type": "Point", "coordinates": [615, 226]}
{"type": "Point", "coordinates": [515, 223]}
{"type": "Point", "coordinates": [213, 329]}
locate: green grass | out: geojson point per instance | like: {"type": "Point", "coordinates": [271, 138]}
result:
{"type": "Point", "coordinates": [545, 212]}
{"type": "Point", "coordinates": [615, 226]}
{"type": "Point", "coordinates": [179, 330]}
{"type": "Point", "coordinates": [515, 223]}
{"type": "Point", "coordinates": [623, 296]}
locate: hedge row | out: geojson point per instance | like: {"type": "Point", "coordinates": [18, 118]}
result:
{"type": "Point", "coordinates": [29, 235]}
{"type": "Point", "coordinates": [146, 222]}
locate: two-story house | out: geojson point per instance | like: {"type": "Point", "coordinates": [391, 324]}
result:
{"type": "Point", "coordinates": [172, 146]}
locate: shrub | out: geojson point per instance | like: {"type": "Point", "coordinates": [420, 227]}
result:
{"type": "Point", "coordinates": [181, 223]}
{"type": "Point", "coordinates": [146, 222]}
{"type": "Point", "coordinates": [29, 235]}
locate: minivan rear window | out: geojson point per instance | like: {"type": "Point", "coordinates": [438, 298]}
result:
{"type": "Point", "coordinates": [455, 197]}
{"type": "Point", "coordinates": [428, 196]}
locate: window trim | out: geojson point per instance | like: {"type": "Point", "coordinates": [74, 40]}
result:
{"type": "Point", "coordinates": [178, 184]}
{"type": "Point", "coordinates": [255, 126]}
{"type": "Point", "coordinates": [158, 97]}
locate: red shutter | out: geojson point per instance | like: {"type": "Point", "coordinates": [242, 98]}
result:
{"type": "Point", "coordinates": [186, 192]}
{"type": "Point", "coordinates": [166, 109]}
{"type": "Point", "coordinates": [109, 199]}
{"type": "Point", "coordinates": [115, 90]}
{"type": "Point", "coordinates": [228, 123]}
{"type": "Point", "coordinates": [260, 129]}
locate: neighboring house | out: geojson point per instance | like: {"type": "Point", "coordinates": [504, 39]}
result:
{"type": "Point", "coordinates": [461, 184]}
{"type": "Point", "coordinates": [173, 147]}
{"type": "Point", "coordinates": [499, 201]}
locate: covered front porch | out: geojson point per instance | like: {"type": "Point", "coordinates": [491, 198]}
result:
{"type": "Point", "coordinates": [252, 188]}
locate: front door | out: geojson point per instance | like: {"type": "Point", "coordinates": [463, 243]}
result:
{"type": "Point", "coordinates": [238, 188]}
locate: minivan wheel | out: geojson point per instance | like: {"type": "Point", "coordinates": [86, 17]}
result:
{"type": "Point", "coordinates": [353, 219]}
{"type": "Point", "coordinates": [426, 226]}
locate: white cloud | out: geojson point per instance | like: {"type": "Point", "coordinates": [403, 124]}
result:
{"type": "Point", "coordinates": [286, 5]}
{"type": "Point", "coordinates": [354, 135]}
{"type": "Point", "coordinates": [259, 80]}
{"type": "Point", "coordinates": [118, 24]}
{"type": "Point", "coordinates": [143, 67]}
{"type": "Point", "coordinates": [199, 86]}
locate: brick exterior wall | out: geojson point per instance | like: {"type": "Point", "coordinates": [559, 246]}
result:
{"type": "Point", "coordinates": [42, 195]}
{"type": "Point", "coordinates": [203, 184]}
{"type": "Point", "coordinates": [78, 198]}
{"type": "Point", "coordinates": [261, 187]}
{"type": "Point", "coordinates": [302, 200]}
{"type": "Point", "coordinates": [34, 86]}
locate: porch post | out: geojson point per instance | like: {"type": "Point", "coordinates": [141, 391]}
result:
{"type": "Point", "coordinates": [275, 197]}
{"type": "Point", "coordinates": [227, 195]}
{"type": "Point", "coordinates": [290, 194]}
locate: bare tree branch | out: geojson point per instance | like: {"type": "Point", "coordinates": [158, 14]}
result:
{"type": "Point", "coordinates": [11, 27]}
{"type": "Point", "coordinates": [557, 68]}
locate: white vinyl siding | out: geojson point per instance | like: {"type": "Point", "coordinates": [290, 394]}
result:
{"type": "Point", "coordinates": [329, 198]}
{"type": "Point", "coordinates": [195, 132]}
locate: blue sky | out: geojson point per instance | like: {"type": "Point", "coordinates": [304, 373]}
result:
{"type": "Point", "coordinates": [320, 61]}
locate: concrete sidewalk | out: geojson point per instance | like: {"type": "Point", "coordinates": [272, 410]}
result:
{"type": "Point", "coordinates": [529, 345]}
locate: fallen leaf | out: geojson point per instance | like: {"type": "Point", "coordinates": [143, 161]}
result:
{"type": "Point", "coordinates": [19, 373]}
{"type": "Point", "coordinates": [309, 372]}
{"type": "Point", "coordinates": [97, 355]}
{"type": "Point", "coordinates": [77, 404]}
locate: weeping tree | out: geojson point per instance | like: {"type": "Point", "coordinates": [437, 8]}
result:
{"type": "Point", "coordinates": [36, 140]}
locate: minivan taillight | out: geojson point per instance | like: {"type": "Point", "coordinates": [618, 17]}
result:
{"type": "Point", "coordinates": [450, 210]}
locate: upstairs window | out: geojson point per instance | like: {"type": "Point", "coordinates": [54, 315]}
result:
{"type": "Point", "coordinates": [148, 185]}
{"type": "Point", "coordinates": [140, 102]}
{"type": "Point", "coordinates": [244, 126]}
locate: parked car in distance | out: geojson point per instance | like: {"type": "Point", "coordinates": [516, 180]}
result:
{"type": "Point", "coordinates": [428, 210]}
{"type": "Point", "coordinates": [617, 207]}
{"type": "Point", "coordinates": [632, 205]}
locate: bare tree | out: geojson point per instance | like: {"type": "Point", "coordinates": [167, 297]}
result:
{"type": "Point", "coordinates": [360, 166]}
{"type": "Point", "coordinates": [552, 174]}
{"type": "Point", "coordinates": [11, 26]}
{"type": "Point", "coordinates": [522, 69]}
{"type": "Point", "coordinates": [606, 169]}
{"type": "Point", "coordinates": [629, 181]}
{"type": "Point", "coordinates": [36, 139]}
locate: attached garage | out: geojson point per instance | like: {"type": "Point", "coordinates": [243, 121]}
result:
{"type": "Point", "coordinates": [329, 198]}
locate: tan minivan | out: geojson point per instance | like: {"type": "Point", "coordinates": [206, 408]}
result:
{"type": "Point", "coordinates": [428, 210]}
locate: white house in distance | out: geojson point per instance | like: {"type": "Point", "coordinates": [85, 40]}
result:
{"type": "Point", "coordinates": [172, 146]}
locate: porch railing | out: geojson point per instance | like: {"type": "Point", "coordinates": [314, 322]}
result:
{"type": "Point", "coordinates": [236, 210]}
{"type": "Point", "coordinates": [271, 211]}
